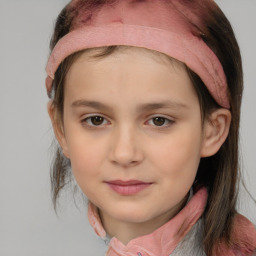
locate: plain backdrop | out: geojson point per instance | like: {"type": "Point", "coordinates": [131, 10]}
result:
{"type": "Point", "coordinates": [28, 224]}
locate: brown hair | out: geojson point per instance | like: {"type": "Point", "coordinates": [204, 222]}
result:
{"type": "Point", "coordinates": [219, 173]}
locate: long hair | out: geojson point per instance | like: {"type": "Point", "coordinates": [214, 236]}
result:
{"type": "Point", "coordinates": [219, 173]}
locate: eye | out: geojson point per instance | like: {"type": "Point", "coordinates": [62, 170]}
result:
{"type": "Point", "coordinates": [94, 121]}
{"type": "Point", "coordinates": [160, 121]}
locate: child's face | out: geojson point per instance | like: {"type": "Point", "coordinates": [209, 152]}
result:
{"type": "Point", "coordinates": [127, 92]}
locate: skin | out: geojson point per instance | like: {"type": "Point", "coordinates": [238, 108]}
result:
{"type": "Point", "coordinates": [129, 144]}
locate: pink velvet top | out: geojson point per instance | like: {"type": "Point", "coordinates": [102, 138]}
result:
{"type": "Point", "coordinates": [164, 240]}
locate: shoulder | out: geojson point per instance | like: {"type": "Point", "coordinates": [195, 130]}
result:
{"type": "Point", "coordinates": [243, 238]}
{"type": "Point", "coordinates": [242, 253]}
{"type": "Point", "coordinates": [244, 233]}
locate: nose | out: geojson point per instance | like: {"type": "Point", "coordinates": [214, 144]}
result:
{"type": "Point", "coordinates": [126, 148]}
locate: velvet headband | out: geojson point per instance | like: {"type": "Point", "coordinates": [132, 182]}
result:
{"type": "Point", "coordinates": [166, 26]}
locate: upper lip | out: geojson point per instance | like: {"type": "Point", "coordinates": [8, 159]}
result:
{"type": "Point", "coordinates": [127, 183]}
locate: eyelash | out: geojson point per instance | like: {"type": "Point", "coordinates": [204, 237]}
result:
{"type": "Point", "coordinates": [84, 121]}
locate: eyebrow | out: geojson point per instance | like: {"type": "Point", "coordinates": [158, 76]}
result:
{"type": "Point", "coordinates": [141, 108]}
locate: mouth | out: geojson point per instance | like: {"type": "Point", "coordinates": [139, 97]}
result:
{"type": "Point", "coordinates": [129, 187]}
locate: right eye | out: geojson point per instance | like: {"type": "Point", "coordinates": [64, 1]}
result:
{"type": "Point", "coordinates": [94, 121]}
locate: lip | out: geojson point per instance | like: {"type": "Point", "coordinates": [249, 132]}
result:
{"type": "Point", "coordinates": [129, 187]}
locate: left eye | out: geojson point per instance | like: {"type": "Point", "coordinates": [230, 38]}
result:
{"type": "Point", "coordinates": [95, 120]}
{"type": "Point", "coordinates": [160, 121]}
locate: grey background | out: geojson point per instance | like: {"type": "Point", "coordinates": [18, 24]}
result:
{"type": "Point", "coordinates": [28, 224]}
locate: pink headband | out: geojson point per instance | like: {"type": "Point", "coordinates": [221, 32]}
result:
{"type": "Point", "coordinates": [166, 26]}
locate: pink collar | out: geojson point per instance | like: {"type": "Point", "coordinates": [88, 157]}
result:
{"type": "Point", "coordinates": [162, 241]}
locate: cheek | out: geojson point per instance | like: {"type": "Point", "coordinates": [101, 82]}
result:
{"type": "Point", "coordinates": [86, 155]}
{"type": "Point", "coordinates": [178, 157]}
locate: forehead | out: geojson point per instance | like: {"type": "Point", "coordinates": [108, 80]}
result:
{"type": "Point", "coordinates": [115, 51]}
{"type": "Point", "coordinates": [138, 72]}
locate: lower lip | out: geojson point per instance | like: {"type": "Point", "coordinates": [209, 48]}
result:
{"type": "Point", "coordinates": [129, 189]}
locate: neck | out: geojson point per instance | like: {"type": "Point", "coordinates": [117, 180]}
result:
{"type": "Point", "coordinates": [126, 231]}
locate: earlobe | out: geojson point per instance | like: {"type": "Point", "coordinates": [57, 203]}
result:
{"type": "Point", "coordinates": [57, 127]}
{"type": "Point", "coordinates": [216, 129]}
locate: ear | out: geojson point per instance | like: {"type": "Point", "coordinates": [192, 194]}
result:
{"type": "Point", "coordinates": [216, 129]}
{"type": "Point", "coordinates": [57, 125]}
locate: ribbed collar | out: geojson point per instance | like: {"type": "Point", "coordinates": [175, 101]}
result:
{"type": "Point", "coordinates": [163, 240]}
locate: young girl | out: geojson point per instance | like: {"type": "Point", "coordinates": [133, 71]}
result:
{"type": "Point", "coordinates": [145, 102]}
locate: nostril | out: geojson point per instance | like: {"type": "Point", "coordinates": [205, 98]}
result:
{"type": "Point", "coordinates": [139, 254]}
